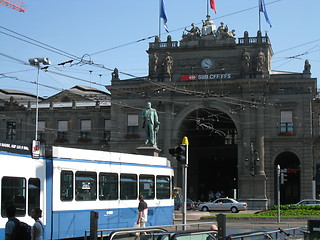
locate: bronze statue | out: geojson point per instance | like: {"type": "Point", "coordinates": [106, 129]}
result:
{"type": "Point", "coordinates": [151, 125]}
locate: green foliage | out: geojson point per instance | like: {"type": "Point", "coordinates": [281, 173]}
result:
{"type": "Point", "coordinates": [291, 210]}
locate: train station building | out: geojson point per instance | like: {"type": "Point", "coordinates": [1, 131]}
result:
{"type": "Point", "coordinates": [242, 118]}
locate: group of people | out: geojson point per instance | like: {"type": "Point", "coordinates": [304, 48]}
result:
{"type": "Point", "coordinates": [213, 196]}
{"type": "Point", "coordinates": [13, 224]}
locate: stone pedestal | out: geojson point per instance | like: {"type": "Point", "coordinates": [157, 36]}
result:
{"type": "Point", "coordinates": [149, 151]}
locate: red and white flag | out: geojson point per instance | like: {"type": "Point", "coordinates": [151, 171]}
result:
{"type": "Point", "coordinates": [213, 6]}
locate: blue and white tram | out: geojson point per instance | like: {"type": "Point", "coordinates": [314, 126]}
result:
{"type": "Point", "coordinates": [73, 182]}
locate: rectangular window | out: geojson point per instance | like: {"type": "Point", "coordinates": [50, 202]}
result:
{"type": "Point", "coordinates": [107, 129]}
{"type": "Point", "coordinates": [62, 129]}
{"type": "Point", "coordinates": [86, 186]}
{"type": "Point", "coordinates": [128, 186]}
{"type": "Point", "coordinates": [11, 130]}
{"type": "Point", "coordinates": [85, 126]}
{"type": "Point", "coordinates": [108, 186]}
{"type": "Point", "coordinates": [13, 191]}
{"type": "Point", "coordinates": [33, 194]}
{"type": "Point", "coordinates": [133, 124]}
{"type": "Point", "coordinates": [286, 121]}
{"type": "Point", "coordinates": [146, 186]}
{"type": "Point", "coordinates": [66, 185]}
{"type": "Point", "coordinates": [163, 187]}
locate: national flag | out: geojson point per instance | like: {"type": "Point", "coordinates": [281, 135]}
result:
{"type": "Point", "coordinates": [262, 8]}
{"type": "Point", "coordinates": [213, 6]}
{"type": "Point", "coordinates": [163, 16]}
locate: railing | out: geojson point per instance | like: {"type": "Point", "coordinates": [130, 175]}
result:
{"type": "Point", "coordinates": [252, 40]}
{"type": "Point", "coordinates": [289, 233]}
{"type": "Point", "coordinates": [161, 45]}
{"type": "Point", "coordinates": [104, 233]}
{"type": "Point", "coordinates": [172, 232]}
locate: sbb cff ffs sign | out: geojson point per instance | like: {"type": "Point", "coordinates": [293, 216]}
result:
{"type": "Point", "coordinates": [193, 77]}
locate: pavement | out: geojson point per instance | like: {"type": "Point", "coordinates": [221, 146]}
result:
{"type": "Point", "coordinates": [195, 217]}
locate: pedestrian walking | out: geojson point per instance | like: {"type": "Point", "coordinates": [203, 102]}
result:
{"type": "Point", "coordinates": [142, 214]}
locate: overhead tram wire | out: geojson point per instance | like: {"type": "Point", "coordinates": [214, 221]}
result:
{"type": "Point", "coordinates": [47, 47]}
{"type": "Point", "coordinates": [31, 82]}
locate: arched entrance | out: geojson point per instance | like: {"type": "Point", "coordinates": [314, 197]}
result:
{"type": "Point", "coordinates": [212, 153]}
{"type": "Point", "coordinates": [290, 188]}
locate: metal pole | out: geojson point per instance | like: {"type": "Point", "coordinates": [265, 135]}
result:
{"type": "Point", "coordinates": [185, 183]}
{"type": "Point", "coordinates": [160, 20]}
{"type": "Point", "coordinates": [184, 204]}
{"type": "Point", "coordinates": [185, 142]}
{"type": "Point", "coordinates": [37, 105]}
{"type": "Point", "coordinates": [278, 191]}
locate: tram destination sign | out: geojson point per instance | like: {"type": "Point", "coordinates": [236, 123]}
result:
{"type": "Point", "coordinates": [194, 77]}
{"type": "Point", "coordinates": [14, 148]}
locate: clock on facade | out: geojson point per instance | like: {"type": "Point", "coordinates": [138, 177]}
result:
{"type": "Point", "coordinates": [206, 63]}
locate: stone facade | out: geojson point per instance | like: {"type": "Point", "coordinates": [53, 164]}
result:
{"type": "Point", "coordinates": [78, 117]}
{"type": "Point", "coordinates": [241, 118]}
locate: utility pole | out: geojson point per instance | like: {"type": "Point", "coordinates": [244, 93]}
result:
{"type": "Point", "coordinates": [278, 191]}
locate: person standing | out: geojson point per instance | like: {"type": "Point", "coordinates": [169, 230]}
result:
{"type": "Point", "coordinates": [151, 125]}
{"type": "Point", "coordinates": [10, 225]}
{"type": "Point", "coordinates": [38, 228]}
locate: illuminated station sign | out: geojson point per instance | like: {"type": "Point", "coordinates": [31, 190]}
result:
{"type": "Point", "coordinates": [193, 77]}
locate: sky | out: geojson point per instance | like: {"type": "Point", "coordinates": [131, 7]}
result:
{"type": "Point", "coordinates": [116, 34]}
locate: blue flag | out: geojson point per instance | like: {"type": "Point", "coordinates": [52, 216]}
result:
{"type": "Point", "coordinates": [163, 16]}
{"type": "Point", "coordinates": [262, 8]}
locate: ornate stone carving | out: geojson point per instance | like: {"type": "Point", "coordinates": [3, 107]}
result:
{"type": "Point", "coordinates": [307, 66]}
{"type": "Point", "coordinates": [245, 61]}
{"type": "Point", "coordinates": [115, 74]}
{"type": "Point", "coordinates": [168, 63]}
{"type": "Point", "coordinates": [223, 32]}
{"type": "Point", "coordinates": [193, 33]}
{"type": "Point", "coordinates": [208, 28]}
{"type": "Point", "coordinates": [260, 61]}
{"type": "Point", "coordinates": [154, 64]}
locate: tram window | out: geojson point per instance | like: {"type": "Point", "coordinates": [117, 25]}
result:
{"type": "Point", "coordinates": [163, 187]}
{"type": "Point", "coordinates": [128, 186]}
{"type": "Point", "coordinates": [86, 186]}
{"type": "Point", "coordinates": [66, 186]}
{"type": "Point", "coordinates": [108, 186]}
{"type": "Point", "coordinates": [146, 186]}
{"type": "Point", "coordinates": [33, 194]}
{"type": "Point", "coordinates": [13, 191]}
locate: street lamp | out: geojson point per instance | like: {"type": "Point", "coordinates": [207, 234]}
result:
{"type": "Point", "coordinates": [36, 63]}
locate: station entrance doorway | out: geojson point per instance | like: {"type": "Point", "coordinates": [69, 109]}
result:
{"type": "Point", "coordinates": [212, 153]}
{"type": "Point", "coordinates": [290, 186]}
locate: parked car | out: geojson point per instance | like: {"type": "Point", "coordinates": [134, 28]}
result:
{"type": "Point", "coordinates": [223, 204]}
{"type": "Point", "coordinates": [309, 202]}
{"type": "Point", "coordinates": [178, 204]}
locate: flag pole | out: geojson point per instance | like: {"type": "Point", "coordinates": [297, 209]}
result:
{"type": "Point", "coordinates": [160, 20]}
{"type": "Point", "coordinates": [207, 7]}
{"type": "Point", "coordinates": [260, 5]}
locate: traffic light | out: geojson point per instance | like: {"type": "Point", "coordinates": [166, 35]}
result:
{"type": "Point", "coordinates": [179, 153]}
{"type": "Point", "coordinates": [283, 176]}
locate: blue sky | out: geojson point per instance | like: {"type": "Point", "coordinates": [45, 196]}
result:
{"type": "Point", "coordinates": [108, 33]}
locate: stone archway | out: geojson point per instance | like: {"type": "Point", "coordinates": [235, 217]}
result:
{"type": "Point", "coordinates": [290, 188]}
{"type": "Point", "coordinates": [212, 153]}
